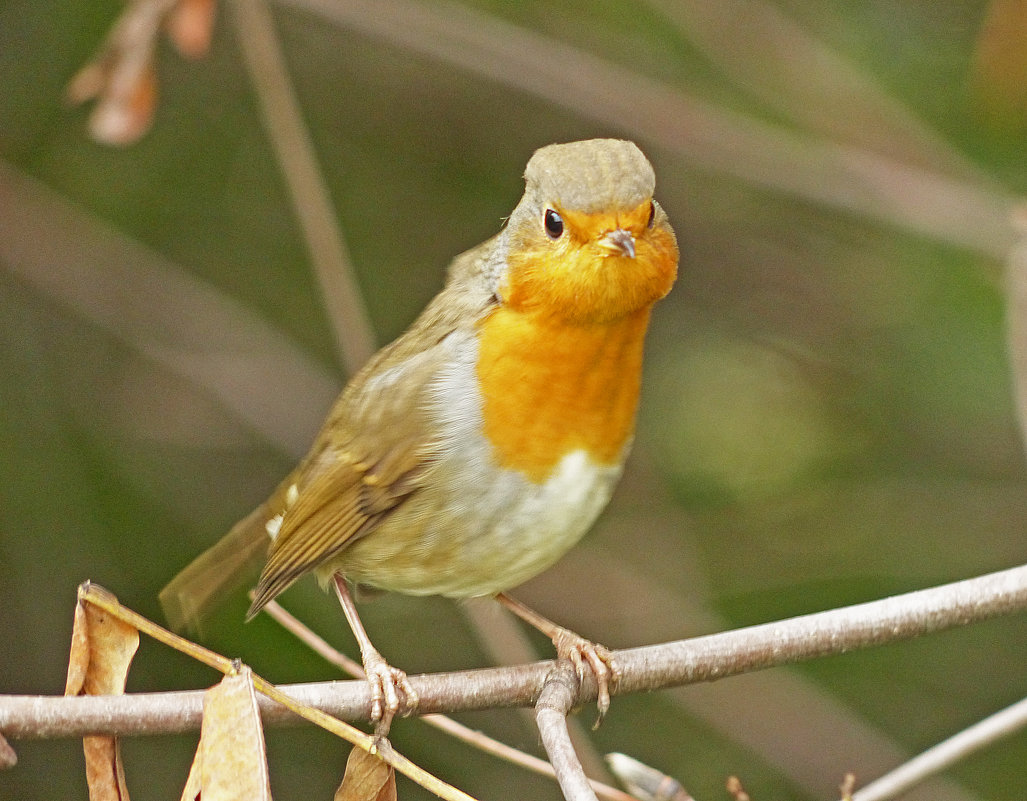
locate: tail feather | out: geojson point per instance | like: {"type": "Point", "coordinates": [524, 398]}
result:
{"type": "Point", "coordinates": [191, 595]}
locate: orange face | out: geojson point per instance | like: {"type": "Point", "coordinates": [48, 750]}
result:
{"type": "Point", "coordinates": [580, 276]}
{"type": "Point", "coordinates": [560, 360]}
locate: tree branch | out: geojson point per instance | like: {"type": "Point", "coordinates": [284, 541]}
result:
{"type": "Point", "coordinates": [554, 704]}
{"type": "Point", "coordinates": [946, 753]}
{"type": "Point", "coordinates": [652, 667]}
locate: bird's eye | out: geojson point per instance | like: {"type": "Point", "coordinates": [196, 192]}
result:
{"type": "Point", "coordinates": [553, 224]}
{"type": "Point", "coordinates": [652, 214]}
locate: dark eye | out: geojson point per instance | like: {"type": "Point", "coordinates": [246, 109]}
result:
{"type": "Point", "coordinates": [554, 224]}
{"type": "Point", "coordinates": [652, 214]}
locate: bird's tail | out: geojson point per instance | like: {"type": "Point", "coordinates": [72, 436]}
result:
{"type": "Point", "coordinates": [191, 595]}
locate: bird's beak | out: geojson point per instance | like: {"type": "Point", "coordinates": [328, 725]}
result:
{"type": "Point", "coordinates": [618, 242]}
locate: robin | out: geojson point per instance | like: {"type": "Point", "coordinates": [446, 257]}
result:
{"type": "Point", "coordinates": [474, 451]}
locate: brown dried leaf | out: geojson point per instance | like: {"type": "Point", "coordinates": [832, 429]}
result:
{"type": "Point", "coordinates": [105, 771]}
{"type": "Point", "coordinates": [230, 763]}
{"type": "Point", "coordinates": [8, 759]}
{"type": "Point", "coordinates": [190, 26]}
{"type": "Point", "coordinates": [125, 109]}
{"type": "Point", "coordinates": [367, 778]}
{"type": "Point", "coordinates": [87, 83]}
{"type": "Point", "coordinates": [102, 648]}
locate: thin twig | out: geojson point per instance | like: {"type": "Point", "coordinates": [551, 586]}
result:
{"type": "Point", "coordinates": [506, 643]}
{"type": "Point", "coordinates": [445, 724]}
{"type": "Point", "coordinates": [645, 781]}
{"type": "Point", "coordinates": [105, 600]}
{"type": "Point", "coordinates": [935, 759]}
{"type": "Point", "coordinates": [968, 214]}
{"type": "Point", "coordinates": [811, 636]}
{"type": "Point", "coordinates": [112, 281]}
{"type": "Point", "coordinates": [297, 160]}
{"type": "Point", "coordinates": [554, 704]}
{"type": "Point", "coordinates": [707, 658]}
{"type": "Point", "coordinates": [774, 66]}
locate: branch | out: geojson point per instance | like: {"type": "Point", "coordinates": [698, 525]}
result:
{"type": "Point", "coordinates": [968, 214]}
{"type": "Point", "coordinates": [707, 658]}
{"type": "Point", "coordinates": [294, 150]}
{"type": "Point", "coordinates": [946, 753]}
{"type": "Point", "coordinates": [472, 737]}
{"type": "Point", "coordinates": [554, 704]}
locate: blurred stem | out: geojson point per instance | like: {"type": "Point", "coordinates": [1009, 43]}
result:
{"type": "Point", "coordinates": [294, 150]}
{"type": "Point", "coordinates": [967, 213]}
{"type": "Point", "coordinates": [946, 753]}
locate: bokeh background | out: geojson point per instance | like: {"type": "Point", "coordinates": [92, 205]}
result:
{"type": "Point", "coordinates": [828, 413]}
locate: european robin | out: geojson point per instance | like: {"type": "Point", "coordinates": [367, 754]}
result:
{"type": "Point", "coordinates": [475, 450]}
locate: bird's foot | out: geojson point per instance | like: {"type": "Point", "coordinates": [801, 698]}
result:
{"type": "Point", "coordinates": [587, 655]}
{"type": "Point", "coordinates": [388, 685]}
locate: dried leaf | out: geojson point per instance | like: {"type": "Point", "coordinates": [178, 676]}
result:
{"type": "Point", "coordinates": [87, 83]}
{"type": "Point", "coordinates": [102, 648]}
{"type": "Point", "coordinates": [190, 26]}
{"type": "Point", "coordinates": [230, 763]}
{"type": "Point", "coordinates": [367, 778]}
{"type": "Point", "coordinates": [126, 107]}
{"type": "Point", "coordinates": [8, 759]}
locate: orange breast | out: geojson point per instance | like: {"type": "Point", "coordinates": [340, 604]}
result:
{"type": "Point", "coordinates": [549, 388]}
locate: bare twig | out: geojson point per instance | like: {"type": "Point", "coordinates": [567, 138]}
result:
{"type": "Point", "coordinates": [965, 213]}
{"type": "Point", "coordinates": [103, 599]}
{"type": "Point", "coordinates": [652, 667]}
{"type": "Point", "coordinates": [554, 704]}
{"type": "Point", "coordinates": [810, 636]}
{"type": "Point", "coordinates": [157, 308]}
{"type": "Point", "coordinates": [463, 733]}
{"type": "Point", "coordinates": [1016, 317]}
{"type": "Point", "coordinates": [935, 759]}
{"type": "Point", "coordinates": [839, 99]}
{"type": "Point", "coordinates": [297, 159]}
{"type": "Point", "coordinates": [506, 643]}
{"type": "Point", "coordinates": [645, 781]}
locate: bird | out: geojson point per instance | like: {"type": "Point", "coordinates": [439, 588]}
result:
{"type": "Point", "coordinates": [475, 450]}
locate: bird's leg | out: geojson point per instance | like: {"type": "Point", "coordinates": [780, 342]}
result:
{"type": "Point", "coordinates": [573, 647]}
{"type": "Point", "coordinates": [387, 682]}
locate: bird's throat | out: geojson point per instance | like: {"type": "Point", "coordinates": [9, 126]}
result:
{"type": "Point", "coordinates": [550, 388]}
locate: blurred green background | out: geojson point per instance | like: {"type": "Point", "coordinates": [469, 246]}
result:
{"type": "Point", "coordinates": [828, 414]}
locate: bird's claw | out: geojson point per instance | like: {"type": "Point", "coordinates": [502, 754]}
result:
{"type": "Point", "coordinates": [597, 658]}
{"type": "Point", "coordinates": [387, 685]}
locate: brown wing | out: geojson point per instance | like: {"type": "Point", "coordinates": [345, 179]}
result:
{"type": "Point", "coordinates": [376, 447]}
{"type": "Point", "coordinates": [362, 467]}
{"type": "Point", "coordinates": [341, 499]}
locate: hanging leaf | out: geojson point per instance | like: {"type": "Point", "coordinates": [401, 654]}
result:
{"type": "Point", "coordinates": [367, 778]}
{"type": "Point", "coordinates": [102, 648]}
{"type": "Point", "coordinates": [230, 762]}
{"type": "Point", "coordinates": [190, 26]}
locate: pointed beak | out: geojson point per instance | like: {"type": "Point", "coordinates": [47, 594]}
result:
{"type": "Point", "coordinates": [618, 242]}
